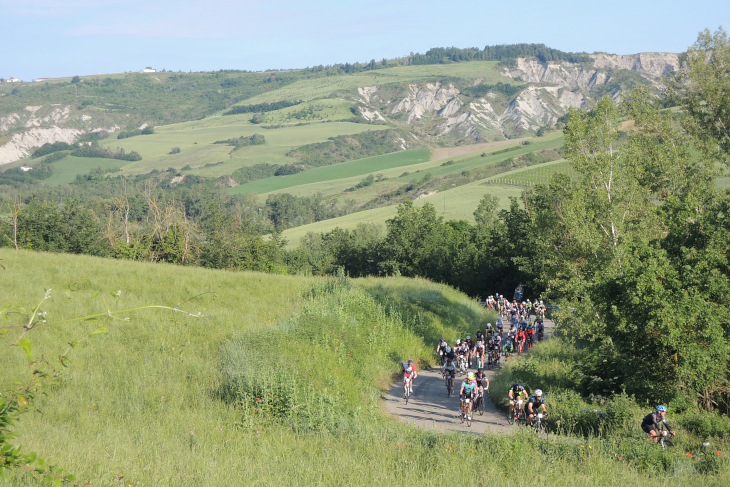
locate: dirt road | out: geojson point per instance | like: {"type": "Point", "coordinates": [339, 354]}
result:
{"type": "Point", "coordinates": [429, 406]}
{"type": "Point", "coordinates": [445, 152]}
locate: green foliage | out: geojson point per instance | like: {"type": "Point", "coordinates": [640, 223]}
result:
{"type": "Point", "coordinates": [542, 53]}
{"type": "Point", "coordinates": [701, 88]}
{"type": "Point", "coordinates": [106, 153]}
{"type": "Point", "coordinates": [134, 133]}
{"type": "Point", "coordinates": [482, 89]}
{"type": "Point", "coordinates": [47, 148]}
{"type": "Point", "coordinates": [16, 176]}
{"type": "Point", "coordinates": [349, 147]}
{"type": "Point", "coordinates": [243, 141]}
{"type": "Point", "coordinates": [261, 107]}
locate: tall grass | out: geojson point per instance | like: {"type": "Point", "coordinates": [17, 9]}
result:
{"type": "Point", "coordinates": [159, 401]}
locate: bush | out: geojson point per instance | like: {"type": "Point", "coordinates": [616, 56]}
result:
{"type": "Point", "coordinates": [174, 150]}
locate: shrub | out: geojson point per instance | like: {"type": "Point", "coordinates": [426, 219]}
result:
{"type": "Point", "coordinates": [174, 150]}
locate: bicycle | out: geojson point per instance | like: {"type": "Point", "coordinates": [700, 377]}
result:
{"type": "Point", "coordinates": [516, 413]}
{"type": "Point", "coordinates": [479, 403]}
{"type": "Point", "coordinates": [465, 409]}
{"type": "Point", "coordinates": [462, 365]}
{"type": "Point", "coordinates": [539, 427]}
{"type": "Point", "coordinates": [663, 436]}
{"type": "Point", "coordinates": [449, 385]}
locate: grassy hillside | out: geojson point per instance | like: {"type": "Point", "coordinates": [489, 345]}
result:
{"type": "Point", "coordinates": [171, 399]}
{"type": "Point", "coordinates": [456, 204]}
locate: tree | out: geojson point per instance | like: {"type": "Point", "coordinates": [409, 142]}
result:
{"type": "Point", "coordinates": [75, 79]}
{"type": "Point", "coordinates": [486, 213]}
{"type": "Point", "coordinates": [701, 88]}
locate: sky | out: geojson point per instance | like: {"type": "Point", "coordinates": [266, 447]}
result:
{"type": "Point", "coordinates": [56, 38]}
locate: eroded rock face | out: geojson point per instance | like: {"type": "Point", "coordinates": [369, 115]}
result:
{"type": "Point", "coordinates": [21, 145]}
{"type": "Point", "coordinates": [649, 64]}
{"type": "Point", "coordinates": [430, 98]}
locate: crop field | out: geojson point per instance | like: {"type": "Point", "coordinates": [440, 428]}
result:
{"type": "Point", "coordinates": [455, 204]}
{"type": "Point", "coordinates": [400, 175]}
{"type": "Point", "coordinates": [197, 146]}
{"type": "Point", "coordinates": [349, 169]}
{"type": "Point", "coordinates": [530, 176]}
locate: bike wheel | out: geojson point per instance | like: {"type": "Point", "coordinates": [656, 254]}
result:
{"type": "Point", "coordinates": [480, 409]}
{"type": "Point", "coordinates": [463, 414]}
{"type": "Point", "coordinates": [511, 418]}
{"type": "Point", "coordinates": [541, 431]}
{"type": "Point", "coordinates": [468, 419]}
{"type": "Point", "coordinates": [521, 420]}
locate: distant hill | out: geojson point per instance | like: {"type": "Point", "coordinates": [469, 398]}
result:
{"type": "Point", "coordinates": [445, 97]}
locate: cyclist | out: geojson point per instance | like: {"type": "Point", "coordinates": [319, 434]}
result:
{"type": "Point", "coordinates": [450, 373]}
{"type": "Point", "coordinates": [501, 304]}
{"type": "Point", "coordinates": [540, 326]}
{"type": "Point", "coordinates": [650, 423]}
{"type": "Point", "coordinates": [515, 392]}
{"type": "Point", "coordinates": [530, 336]}
{"type": "Point", "coordinates": [507, 348]}
{"type": "Point", "coordinates": [488, 332]}
{"type": "Point", "coordinates": [478, 337]}
{"type": "Point", "coordinates": [409, 373]}
{"type": "Point", "coordinates": [500, 325]}
{"type": "Point", "coordinates": [468, 390]}
{"type": "Point", "coordinates": [440, 348]}
{"type": "Point", "coordinates": [482, 380]}
{"type": "Point", "coordinates": [520, 338]}
{"type": "Point", "coordinates": [541, 310]}
{"type": "Point", "coordinates": [469, 350]}
{"type": "Point", "coordinates": [534, 403]}
{"type": "Point", "coordinates": [479, 353]}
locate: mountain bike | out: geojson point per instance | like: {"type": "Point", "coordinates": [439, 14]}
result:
{"type": "Point", "coordinates": [538, 426]}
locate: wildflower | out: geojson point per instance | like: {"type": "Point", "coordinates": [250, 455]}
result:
{"type": "Point", "coordinates": [119, 293]}
{"type": "Point", "coordinates": [620, 458]}
{"type": "Point", "coordinates": [689, 455]}
{"type": "Point", "coordinates": [258, 399]}
{"type": "Point", "coordinates": [718, 454]}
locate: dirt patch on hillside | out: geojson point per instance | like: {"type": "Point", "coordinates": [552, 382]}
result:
{"type": "Point", "coordinates": [457, 151]}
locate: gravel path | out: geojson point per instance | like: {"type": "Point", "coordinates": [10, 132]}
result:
{"type": "Point", "coordinates": [429, 406]}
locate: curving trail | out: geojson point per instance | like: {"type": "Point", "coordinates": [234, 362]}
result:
{"type": "Point", "coordinates": [429, 406]}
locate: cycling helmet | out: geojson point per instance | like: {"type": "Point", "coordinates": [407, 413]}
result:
{"type": "Point", "coordinates": [448, 349]}
{"type": "Point", "coordinates": [410, 361]}
{"type": "Point", "coordinates": [458, 342]}
{"type": "Point", "coordinates": [480, 371]}
{"type": "Point", "coordinates": [468, 337]}
{"type": "Point", "coordinates": [489, 325]}
{"type": "Point", "coordinates": [470, 376]}
{"type": "Point", "coordinates": [661, 408]}
{"type": "Point", "coordinates": [538, 392]}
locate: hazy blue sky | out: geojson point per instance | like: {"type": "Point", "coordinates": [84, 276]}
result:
{"type": "Point", "coordinates": [49, 38]}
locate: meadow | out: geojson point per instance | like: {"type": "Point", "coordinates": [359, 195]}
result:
{"type": "Point", "coordinates": [172, 399]}
{"type": "Point", "coordinates": [197, 146]}
{"type": "Point", "coordinates": [455, 204]}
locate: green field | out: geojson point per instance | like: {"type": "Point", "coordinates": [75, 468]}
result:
{"type": "Point", "coordinates": [530, 176]}
{"type": "Point", "coordinates": [65, 170]}
{"type": "Point", "coordinates": [318, 175]}
{"type": "Point", "coordinates": [197, 146]}
{"type": "Point", "coordinates": [455, 204]}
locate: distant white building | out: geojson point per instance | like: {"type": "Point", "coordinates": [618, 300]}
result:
{"type": "Point", "coordinates": [12, 80]}
{"type": "Point", "coordinates": [149, 70]}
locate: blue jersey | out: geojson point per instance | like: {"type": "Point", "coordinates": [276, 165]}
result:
{"type": "Point", "coordinates": [469, 388]}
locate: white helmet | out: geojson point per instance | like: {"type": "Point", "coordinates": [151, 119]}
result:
{"type": "Point", "coordinates": [541, 301]}
{"type": "Point", "coordinates": [458, 342]}
{"type": "Point", "coordinates": [538, 392]}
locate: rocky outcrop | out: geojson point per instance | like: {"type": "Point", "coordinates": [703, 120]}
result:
{"type": "Point", "coordinates": [430, 98]}
{"type": "Point", "coordinates": [21, 144]}
{"type": "Point", "coordinates": [652, 65]}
